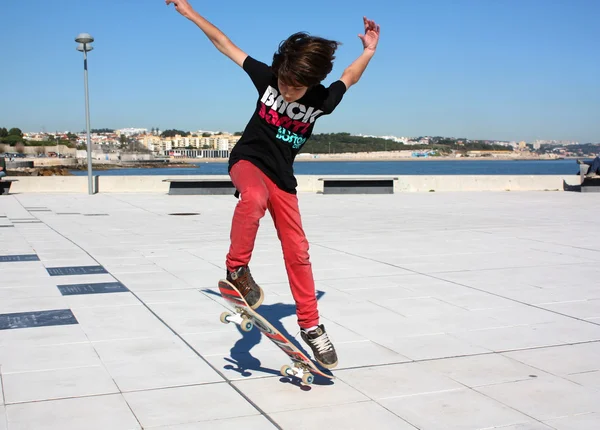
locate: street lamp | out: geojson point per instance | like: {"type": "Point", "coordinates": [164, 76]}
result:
{"type": "Point", "coordinates": [84, 40]}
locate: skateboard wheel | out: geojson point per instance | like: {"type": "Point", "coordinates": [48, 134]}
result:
{"type": "Point", "coordinates": [284, 370]}
{"type": "Point", "coordinates": [246, 324]}
{"type": "Point", "coordinates": [224, 317]}
{"type": "Point", "coordinates": [308, 378]}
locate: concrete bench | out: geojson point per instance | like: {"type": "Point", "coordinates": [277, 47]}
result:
{"type": "Point", "coordinates": [5, 185]}
{"type": "Point", "coordinates": [200, 186]}
{"type": "Point", "coordinates": [358, 185]}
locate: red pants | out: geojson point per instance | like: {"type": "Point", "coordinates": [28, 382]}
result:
{"type": "Point", "coordinates": [257, 194]}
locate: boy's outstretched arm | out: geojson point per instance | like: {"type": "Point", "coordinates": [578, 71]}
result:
{"type": "Point", "coordinates": [370, 39]}
{"type": "Point", "coordinates": [216, 36]}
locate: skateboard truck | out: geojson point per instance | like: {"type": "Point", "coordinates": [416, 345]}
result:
{"type": "Point", "coordinates": [299, 372]}
{"type": "Point", "coordinates": [238, 318]}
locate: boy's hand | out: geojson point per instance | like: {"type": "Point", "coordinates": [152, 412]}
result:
{"type": "Point", "coordinates": [181, 6]}
{"type": "Point", "coordinates": [371, 36]}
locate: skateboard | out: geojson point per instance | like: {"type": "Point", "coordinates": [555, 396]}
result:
{"type": "Point", "coordinates": [246, 318]}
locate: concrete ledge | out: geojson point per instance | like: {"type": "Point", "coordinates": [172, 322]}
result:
{"type": "Point", "coordinates": [358, 185]}
{"type": "Point", "coordinates": [444, 183]}
{"type": "Point", "coordinates": [200, 186]}
{"type": "Point", "coordinates": [590, 185]}
{"type": "Point", "coordinates": [306, 183]}
{"type": "Point", "coordinates": [50, 184]}
{"type": "Point", "coordinates": [5, 185]}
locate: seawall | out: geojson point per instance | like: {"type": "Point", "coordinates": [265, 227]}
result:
{"type": "Point", "coordinates": [306, 183]}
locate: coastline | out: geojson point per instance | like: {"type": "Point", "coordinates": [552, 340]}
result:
{"type": "Point", "coordinates": [60, 167]}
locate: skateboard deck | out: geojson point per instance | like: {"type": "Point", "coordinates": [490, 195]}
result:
{"type": "Point", "coordinates": [246, 317]}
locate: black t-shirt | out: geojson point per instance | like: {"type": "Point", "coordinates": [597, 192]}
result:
{"type": "Point", "coordinates": [278, 130]}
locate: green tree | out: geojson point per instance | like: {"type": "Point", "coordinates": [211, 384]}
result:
{"type": "Point", "coordinates": [173, 133]}
{"type": "Point", "coordinates": [3, 132]}
{"type": "Point", "coordinates": [15, 132]}
{"type": "Point", "coordinates": [102, 130]}
{"type": "Point", "coordinates": [206, 134]}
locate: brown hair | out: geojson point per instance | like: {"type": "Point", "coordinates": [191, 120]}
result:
{"type": "Point", "coordinates": [304, 60]}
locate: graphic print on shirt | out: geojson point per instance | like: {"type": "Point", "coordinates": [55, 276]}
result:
{"type": "Point", "coordinates": [293, 119]}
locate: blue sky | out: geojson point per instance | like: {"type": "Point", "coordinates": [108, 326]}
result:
{"type": "Point", "coordinates": [480, 69]}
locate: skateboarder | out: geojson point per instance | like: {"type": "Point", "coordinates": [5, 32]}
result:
{"type": "Point", "coordinates": [594, 166]}
{"type": "Point", "coordinates": [2, 167]}
{"type": "Point", "coordinates": [290, 99]}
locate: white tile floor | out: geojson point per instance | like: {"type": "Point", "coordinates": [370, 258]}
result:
{"type": "Point", "coordinates": [448, 310]}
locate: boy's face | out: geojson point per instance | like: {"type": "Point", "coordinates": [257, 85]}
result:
{"type": "Point", "coordinates": [292, 92]}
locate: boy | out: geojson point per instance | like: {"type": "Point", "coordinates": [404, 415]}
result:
{"type": "Point", "coordinates": [290, 99]}
{"type": "Point", "coordinates": [2, 167]}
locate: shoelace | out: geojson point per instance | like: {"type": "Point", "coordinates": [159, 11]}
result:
{"type": "Point", "coordinates": [245, 284]}
{"type": "Point", "coordinates": [322, 343]}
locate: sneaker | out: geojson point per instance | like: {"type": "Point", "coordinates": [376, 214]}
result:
{"type": "Point", "coordinates": [321, 346]}
{"type": "Point", "coordinates": [243, 281]}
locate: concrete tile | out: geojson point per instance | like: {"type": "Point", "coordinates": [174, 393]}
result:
{"type": "Point", "coordinates": [457, 409]}
{"type": "Point", "coordinates": [521, 315]}
{"type": "Point", "coordinates": [101, 300]}
{"type": "Point", "coordinates": [512, 338]}
{"type": "Point", "coordinates": [573, 331]}
{"type": "Point", "coordinates": [11, 306]}
{"type": "Point", "coordinates": [190, 317]}
{"type": "Point", "coordinates": [180, 405]}
{"type": "Point", "coordinates": [434, 346]}
{"type": "Point", "coordinates": [421, 306]}
{"type": "Point", "coordinates": [583, 309]}
{"type": "Point", "coordinates": [587, 379]}
{"type": "Point", "coordinates": [545, 398]}
{"type": "Point", "coordinates": [365, 353]}
{"type": "Point", "coordinates": [171, 296]}
{"type": "Point", "coordinates": [28, 292]}
{"type": "Point", "coordinates": [460, 322]}
{"type": "Point", "coordinates": [478, 301]}
{"type": "Point", "coordinates": [90, 413]}
{"type": "Point", "coordinates": [17, 359]}
{"type": "Point", "coordinates": [227, 340]}
{"type": "Point", "coordinates": [356, 416]}
{"type": "Point", "coordinates": [530, 425]}
{"type": "Point", "coordinates": [370, 285]}
{"type": "Point", "coordinates": [40, 336]}
{"type": "Point", "coordinates": [142, 364]}
{"type": "Point", "coordinates": [255, 422]}
{"type": "Point", "coordinates": [396, 380]}
{"type": "Point", "coordinates": [287, 396]}
{"type": "Point", "coordinates": [119, 322]}
{"type": "Point", "coordinates": [3, 419]}
{"type": "Point", "coordinates": [56, 384]}
{"type": "Point", "coordinates": [576, 422]}
{"type": "Point", "coordinates": [481, 370]}
{"type": "Point", "coordinates": [562, 360]}
{"type": "Point", "coordinates": [157, 280]}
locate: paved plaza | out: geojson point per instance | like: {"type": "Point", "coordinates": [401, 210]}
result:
{"type": "Point", "coordinates": [472, 310]}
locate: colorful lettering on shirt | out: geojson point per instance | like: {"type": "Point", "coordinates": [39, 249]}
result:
{"type": "Point", "coordinates": [293, 119]}
{"type": "Point", "coordinates": [292, 138]}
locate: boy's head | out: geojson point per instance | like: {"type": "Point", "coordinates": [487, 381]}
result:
{"type": "Point", "coordinates": [301, 62]}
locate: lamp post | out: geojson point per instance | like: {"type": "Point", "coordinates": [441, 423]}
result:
{"type": "Point", "coordinates": [84, 41]}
